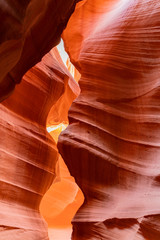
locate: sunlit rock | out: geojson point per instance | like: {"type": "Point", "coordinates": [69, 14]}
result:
{"type": "Point", "coordinates": [112, 145]}
{"type": "Point", "coordinates": [64, 197]}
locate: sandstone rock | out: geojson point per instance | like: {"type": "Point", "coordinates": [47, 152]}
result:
{"type": "Point", "coordinates": [29, 30]}
{"type": "Point", "coordinates": [28, 154]}
{"type": "Point", "coordinates": [112, 145]}
{"type": "Point", "coordinates": [64, 197]}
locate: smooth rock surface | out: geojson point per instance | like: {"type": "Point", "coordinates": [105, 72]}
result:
{"type": "Point", "coordinates": [112, 145]}
{"type": "Point", "coordinates": [28, 30]}
{"type": "Point", "coordinates": [28, 153]}
{"type": "Point", "coordinates": [64, 197]}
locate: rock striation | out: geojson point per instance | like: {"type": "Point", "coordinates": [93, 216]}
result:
{"type": "Point", "coordinates": [30, 29]}
{"type": "Point", "coordinates": [112, 143]}
{"type": "Point", "coordinates": [64, 197]}
{"type": "Point", "coordinates": [28, 154]}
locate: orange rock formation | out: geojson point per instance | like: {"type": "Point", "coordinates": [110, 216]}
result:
{"type": "Point", "coordinates": [28, 154]}
{"type": "Point", "coordinates": [63, 199]}
{"type": "Point", "coordinates": [112, 143]}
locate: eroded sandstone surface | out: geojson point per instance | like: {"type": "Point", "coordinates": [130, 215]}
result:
{"type": "Point", "coordinates": [28, 31]}
{"type": "Point", "coordinates": [29, 156]}
{"type": "Point", "coordinates": [112, 145]}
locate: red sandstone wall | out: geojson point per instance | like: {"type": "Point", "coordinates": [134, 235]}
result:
{"type": "Point", "coordinates": [112, 143]}
{"type": "Point", "coordinates": [28, 30]}
{"type": "Point", "coordinates": [28, 154]}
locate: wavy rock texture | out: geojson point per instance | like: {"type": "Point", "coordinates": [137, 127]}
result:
{"type": "Point", "coordinates": [64, 197]}
{"type": "Point", "coordinates": [112, 145]}
{"type": "Point", "coordinates": [30, 29]}
{"type": "Point", "coordinates": [28, 154]}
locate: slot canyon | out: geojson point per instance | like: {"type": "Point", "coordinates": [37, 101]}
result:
{"type": "Point", "coordinates": [80, 124]}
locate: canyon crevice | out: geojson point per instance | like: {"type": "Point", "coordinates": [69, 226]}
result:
{"type": "Point", "coordinates": [112, 144]}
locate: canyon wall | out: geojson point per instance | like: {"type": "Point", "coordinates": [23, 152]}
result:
{"type": "Point", "coordinates": [29, 156]}
{"type": "Point", "coordinates": [112, 145]}
{"type": "Point", "coordinates": [28, 31]}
